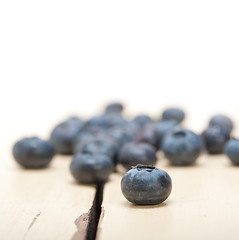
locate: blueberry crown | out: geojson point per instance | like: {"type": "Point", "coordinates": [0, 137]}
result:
{"type": "Point", "coordinates": [180, 133]}
{"type": "Point", "coordinates": [140, 167]}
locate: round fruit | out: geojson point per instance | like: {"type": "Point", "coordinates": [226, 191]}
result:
{"type": "Point", "coordinates": [145, 185]}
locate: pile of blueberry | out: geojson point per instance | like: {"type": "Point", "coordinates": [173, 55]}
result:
{"type": "Point", "coordinates": [103, 142]}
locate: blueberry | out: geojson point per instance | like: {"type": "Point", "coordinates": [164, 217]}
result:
{"type": "Point", "coordinates": [91, 168]}
{"type": "Point", "coordinates": [162, 128]}
{"type": "Point", "coordinates": [105, 121]}
{"type": "Point", "coordinates": [145, 185]}
{"type": "Point", "coordinates": [215, 139]}
{"type": "Point", "coordinates": [63, 135]}
{"type": "Point", "coordinates": [131, 129]}
{"type": "Point", "coordinates": [137, 153]}
{"type": "Point", "coordinates": [148, 134]}
{"type": "Point", "coordinates": [86, 136]}
{"type": "Point", "coordinates": [33, 152]}
{"type": "Point", "coordinates": [99, 146]}
{"type": "Point", "coordinates": [222, 121]}
{"type": "Point", "coordinates": [142, 120]}
{"type": "Point", "coordinates": [182, 146]}
{"type": "Point", "coordinates": [232, 150]}
{"type": "Point", "coordinates": [115, 108]}
{"type": "Point", "coordinates": [118, 135]}
{"type": "Point", "coordinates": [173, 114]}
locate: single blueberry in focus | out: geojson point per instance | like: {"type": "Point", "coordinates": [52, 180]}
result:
{"type": "Point", "coordinates": [215, 139]}
{"type": "Point", "coordinates": [173, 114]}
{"type": "Point", "coordinates": [99, 145]}
{"type": "Point", "coordinates": [63, 135]}
{"type": "Point", "coordinates": [182, 147]}
{"type": "Point", "coordinates": [91, 168]}
{"type": "Point", "coordinates": [222, 121]}
{"type": "Point", "coordinates": [232, 150]}
{"type": "Point", "coordinates": [163, 127]}
{"type": "Point", "coordinates": [142, 120]}
{"type": "Point", "coordinates": [145, 185]}
{"type": "Point", "coordinates": [133, 153]}
{"type": "Point", "coordinates": [33, 152]}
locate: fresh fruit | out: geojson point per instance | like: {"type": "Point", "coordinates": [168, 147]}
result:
{"type": "Point", "coordinates": [232, 150]}
{"type": "Point", "coordinates": [133, 153]}
{"type": "Point", "coordinates": [145, 185]}
{"type": "Point", "coordinates": [91, 168]}
{"type": "Point", "coordinates": [173, 114]}
{"type": "Point", "coordinates": [215, 139]}
{"type": "Point", "coordinates": [99, 146]}
{"type": "Point", "coordinates": [63, 135]}
{"type": "Point", "coordinates": [223, 122]}
{"type": "Point", "coordinates": [115, 108]}
{"type": "Point", "coordinates": [182, 146]}
{"type": "Point", "coordinates": [148, 134]}
{"type": "Point", "coordinates": [142, 120]}
{"type": "Point", "coordinates": [33, 152]}
{"type": "Point", "coordinates": [162, 128]}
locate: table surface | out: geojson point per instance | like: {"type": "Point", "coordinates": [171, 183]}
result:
{"type": "Point", "coordinates": [44, 204]}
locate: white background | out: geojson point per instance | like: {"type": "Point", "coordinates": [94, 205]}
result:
{"type": "Point", "coordinates": [59, 58]}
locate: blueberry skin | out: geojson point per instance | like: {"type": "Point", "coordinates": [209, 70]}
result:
{"type": "Point", "coordinates": [99, 146]}
{"type": "Point", "coordinates": [222, 121]}
{"type": "Point", "coordinates": [86, 136]}
{"type": "Point", "coordinates": [115, 108]}
{"type": "Point", "coordinates": [134, 153]}
{"type": "Point", "coordinates": [163, 127]}
{"type": "Point", "coordinates": [63, 135]}
{"type": "Point", "coordinates": [215, 139]}
{"type": "Point", "coordinates": [91, 168]}
{"type": "Point", "coordinates": [182, 147]}
{"type": "Point", "coordinates": [105, 121]}
{"type": "Point", "coordinates": [146, 185]}
{"type": "Point", "coordinates": [142, 120]}
{"type": "Point", "coordinates": [232, 150]}
{"type": "Point", "coordinates": [33, 152]}
{"type": "Point", "coordinates": [148, 134]}
{"type": "Point", "coordinates": [173, 114]}
{"type": "Point", "coordinates": [118, 135]}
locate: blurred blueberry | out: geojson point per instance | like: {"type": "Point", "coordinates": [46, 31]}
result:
{"type": "Point", "coordinates": [131, 129]}
{"type": "Point", "coordinates": [63, 135]}
{"type": "Point", "coordinates": [215, 139]}
{"type": "Point", "coordinates": [182, 146]}
{"type": "Point", "coordinates": [99, 145]}
{"type": "Point", "coordinates": [142, 120]}
{"type": "Point", "coordinates": [232, 150]}
{"type": "Point", "coordinates": [133, 153]}
{"type": "Point", "coordinates": [91, 168]}
{"type": "Point", "coordinates": [33, 152]}
{"type": "Point", "coordinates": [119, 135]}
{"type": "Point", "coordinates": [162, 128]}
{"type": "Point", "coordinates": [222, 121]}
{"type": "Point", "coordinates": [115, 108]}
{"type": "Point", "coordinates": [148, 134]}
{"type": "Point", "coordinates": [173, 114]}
{"type": "Point", "coordinates": [105, 121]}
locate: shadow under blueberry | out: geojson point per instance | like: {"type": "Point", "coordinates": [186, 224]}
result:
{"type": "Point", "coordinates": [134, 206]}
